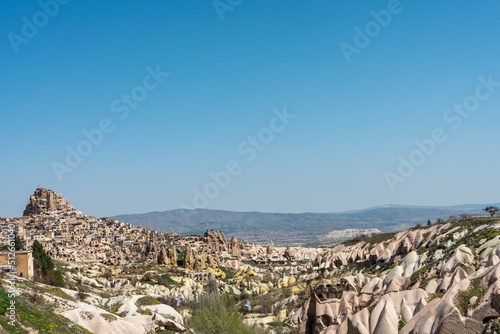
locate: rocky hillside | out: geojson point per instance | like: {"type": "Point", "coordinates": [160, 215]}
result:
{"type": "Point", "coordinates": [108, 276]}
{"type": "Point", "coordinates": [338, 236]}
{"type": "Point", "coordinates": [44, 309]}
{"type": "Point", "coordinates": [45, 202]}
{"type": "Point", "coordinates": [443, 278]}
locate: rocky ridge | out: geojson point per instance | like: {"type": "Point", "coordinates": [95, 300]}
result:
{"type": "Point", "coordinates": [342, 235]}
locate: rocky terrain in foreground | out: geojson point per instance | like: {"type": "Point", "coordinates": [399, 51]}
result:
{"type": "Point", "coordinates": [442, 278]}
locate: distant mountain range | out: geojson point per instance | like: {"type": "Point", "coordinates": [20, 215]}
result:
{"type": "Point", "coordinates": [296, 228]}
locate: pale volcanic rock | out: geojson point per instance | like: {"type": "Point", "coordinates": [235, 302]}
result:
{"type": "Point", "coordinates": [98, 320]}
{"type": "Point", "coordinates": [359, 323]}
{"type": "Point", "coordinates": [305, 253]}
{"type": "Point", "coordinates": [330, 311]}
{"type": "Point", "coordinates": [350, 313]}
{"type": "Point", "coordinates": [425, 313]}
{"type": "Point", "coordinates": [373, 286]}
{"type": "Point", "coordinates": [396, 271]}
{"type": "Point", "coordinates": [454, 237]}
{"type": "Point", "coordinates": [486, 248]}
{"type": "Point", "coordinates": [398, 283]}
{"type": "Point", "coordinates": [384, 252]}
{"type": "Point", "coordinates": [172, 257]}
{"type": "Point", "coordinates": [404, 302]}
{"type": "Point", "coordinates": [462, 256]}
{"type": "Point", "coordinates": [189, 259]}
{"type": "Point", "coordinates": [387, 322]}
{"type": "Point", "coordinates": [215, 242]}
{"type": "Point", "coordinates": [234, 264]}
{"type": "Point", "coordinates": [235, 247]}
{"type": "Point", "coordinates": [445, 317]}
{"type": "Point", "coordinates": [386, 299]}
{"type": "Point", "coordinates": [407, 267]}
{"type": "Point", "coordinates": [201, 263]}
{"type": "Point", "coordinates": [45, 202]}
{"type": "Point", "coordinates": [422, 260]}
{"type": "Point", "coordinates": [340, 235]}
{"type": "Point", "coordinates": [492, 258]}
{"type": "Point", "coordinates": [289, 255]}
{"type": "Point", "coordinates": [163, 258]}
{"type": "Point", "coordinates": [384, 317]}
{"type": "Point", "coordinates": [439, 254]}
{"type": "Point", "coordinates": [432, 286]}
{"type": "Point", "coordinates": [409, 263]}
{"type": "Point", "coordinates": [165, 310]}
{"type": "Point", "coordinates": [169, 324]}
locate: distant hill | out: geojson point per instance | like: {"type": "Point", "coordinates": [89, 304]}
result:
{"type": "Point", "coordinates": [291, 227]}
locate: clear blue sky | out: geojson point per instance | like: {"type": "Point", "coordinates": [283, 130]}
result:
{"type": "Point", "coordinates": [353, 120]}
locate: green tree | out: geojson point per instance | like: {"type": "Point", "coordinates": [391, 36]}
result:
{"type": "Point", "coordinates": [216, 314]}
{"type": "Point", "coordinates": [491, 210]}
{"type": "Point", "coordinates": [47, 264]}
{"type": "Point", "coordinates": [37, 249]}
{"type": "Point", "coordinates": [42, 260]}
{"type": "Point", "coordinates": [18, 243]}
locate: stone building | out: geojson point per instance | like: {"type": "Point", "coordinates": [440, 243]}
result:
{"type": "Point", "coordinates": [24, 263]}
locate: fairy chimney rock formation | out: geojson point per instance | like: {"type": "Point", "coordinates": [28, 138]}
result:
{"type": "Point", "coordinates": [172, 257]}
{"type": "Point", "coordinates": [163, 256]}
{"type": "Point", "coordinates": [235, 247]}
{"type": "Point", "coordinates": [189, 259]}
{"type": "Point", "coordinates": [288, 254]}
{"type": "Point", "coordinates": [216, 241]}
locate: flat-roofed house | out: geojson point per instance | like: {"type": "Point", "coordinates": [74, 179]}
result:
{"type": "Point", "coordinates": [24, 263]}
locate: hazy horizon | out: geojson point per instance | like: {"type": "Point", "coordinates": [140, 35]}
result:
{"type": "Point", "coordinates": [380, 206]}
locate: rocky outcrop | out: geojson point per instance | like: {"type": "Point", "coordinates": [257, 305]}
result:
{"type": "Point", "coordinates": [168, 257]}
{"type": "Point", "coordinates": [235, 248]}
{"type": "Point", "coordinates": [189, 258]}
{"type": "Point", "coordinates": [289, 254]}
{"type": "Point", "coordinates": [202, 263]}
{"type": "Point", "coordinates": [92, 316]}
{"type": "Point", "coordinates": [392, 251]}
{"type": "Point", "coordinates": [443, 279]}
{"type": "Point", "coordinates": [45, 202]}
{"type": "Point", "coordinates": [216, 241]}
{"type": "Point", "coordinates": [172, 257]}
{"type": "Point", "coordinates": [445, 317]}
{"type": "Point", "coordinates": [341, 235]}
{"type": "Point", "coordinates": [335, 308]}
{"type": "Point", "coordinates": [163, 259]}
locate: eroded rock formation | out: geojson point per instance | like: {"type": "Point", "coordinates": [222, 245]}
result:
{"type": "Point", "coordinates": [435, 280]}
{"type": "Point", "coordinates": [45, 202]}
